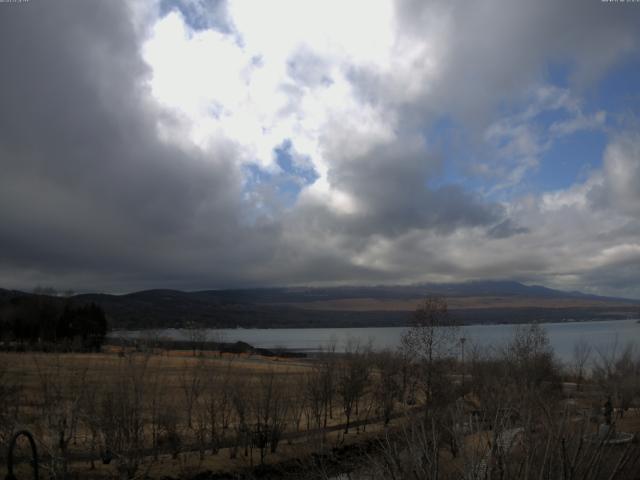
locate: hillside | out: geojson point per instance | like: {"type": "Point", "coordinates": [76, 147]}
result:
{"type": "Point", "coordinates": [472, 302]}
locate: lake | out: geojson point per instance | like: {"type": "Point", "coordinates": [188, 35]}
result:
{"type": "Point", "coordinates": [601, 335]}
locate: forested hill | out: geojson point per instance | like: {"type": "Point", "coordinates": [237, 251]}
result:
{"type": "Point", "coordinates": [472, 302]}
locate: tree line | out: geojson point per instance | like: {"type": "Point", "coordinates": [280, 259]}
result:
{"type": "Point", "coordinates": [45, 322]}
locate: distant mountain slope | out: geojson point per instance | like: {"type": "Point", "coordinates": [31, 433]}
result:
{"type": "Point", "coordinates": [6, 294]}
{"type": "Point", "coordinates": [472, 302]}
{"type": "Point", "coordinates": [467, 289]}
{"type": "Point", "coordinates": [490, 301]}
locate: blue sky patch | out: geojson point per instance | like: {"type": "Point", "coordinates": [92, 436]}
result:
{"type": "Point", "coordinates": [199, 15]}
{"type": "Point", "coordinates": [284, 185]}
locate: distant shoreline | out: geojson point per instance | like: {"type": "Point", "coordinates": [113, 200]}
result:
{"type": "Point", "coordinates": [404, 325]}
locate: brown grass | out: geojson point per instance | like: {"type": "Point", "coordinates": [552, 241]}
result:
{"type": "Point", "coordinates": [27, 370]}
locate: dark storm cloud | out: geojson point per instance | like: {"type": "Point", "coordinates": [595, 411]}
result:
{"type": "Point", "coordinates": [86, 183]}
{"type": "Point", "coordinates": [90, 192]}
{"type": "Point", "coordinates": [93, 195]}
{"type": "Point", "coordinates": [390, 184]}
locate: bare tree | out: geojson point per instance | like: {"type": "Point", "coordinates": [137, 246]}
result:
{"type": "Point", "coordinates": [353, 376]}
{"type": "Point", "coordinates": [431, 337]}
{"type": "Point", "coordinates": [413, 452]}
{"type": "Point", "coordinates": [60, 393]}
{"type": "Point", "coordinates": [169, 432]}
{"type": "Point", "coordinates": [326, 369]}
{"type": "Point", "coordinates": [530, 356]}
{"type": "Point", "coordinates": [240, 401]}
{"type": "Point", "coordinates": [555, 448]}
{"type": "Point", "coordinates": [192, 384]}
{"type": "Point", "coordinates": [489, 382]}
{"type": "Point", "coordinates": [314, 398]}
{"type": "Point", "coordinates": [201, 425]}
{"type": "Point", "coordinates": [122, 416]}
{"type": "Point", "coordinates": [532, 379]}
{"type": "Point", "coordinates": [268, 413]}
{"type": "Point", "coordinates": [150, 340]}
{"type": "Point", "coordinates": [218, 405]}
{"type": "Point", "coordinates": [89, 416]}
{"type": "Point", "coordinates": [217, 337]}
{"type": "Point", "coordinates": [581, 355]}
{"type": "Point", "coordinates": [197, 337]}
{"type": "Point", "coordinates": [10, 415]}
{"type": "Point", "coordinates": [618, 373]}
{"type": "Point", "coordinates": [387, 383]}
{"type": "Point", "coordinates": [156, 405]}
{"type": "Point", "coordinates": [297, 400]}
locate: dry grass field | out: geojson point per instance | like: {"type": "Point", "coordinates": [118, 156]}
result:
{"type": "Point", "coordinates": [170, 413]}
{"type": "Point", "coordinates": [158, 414]}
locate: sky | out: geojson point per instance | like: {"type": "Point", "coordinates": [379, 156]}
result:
{"type": "Point", "coordinates": [200, 144]}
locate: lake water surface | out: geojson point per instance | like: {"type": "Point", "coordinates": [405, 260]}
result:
{"type": "Point", "coordinates": [601, 335]}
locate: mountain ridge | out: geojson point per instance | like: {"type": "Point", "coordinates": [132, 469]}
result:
{"type": "Point", "coordinates": [475, 287]}
{"type": "Point", "coordinates": [489, 301]}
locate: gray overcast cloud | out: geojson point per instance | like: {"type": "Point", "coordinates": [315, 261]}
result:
{"type": "Point", "coordinates": [202, 144]}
